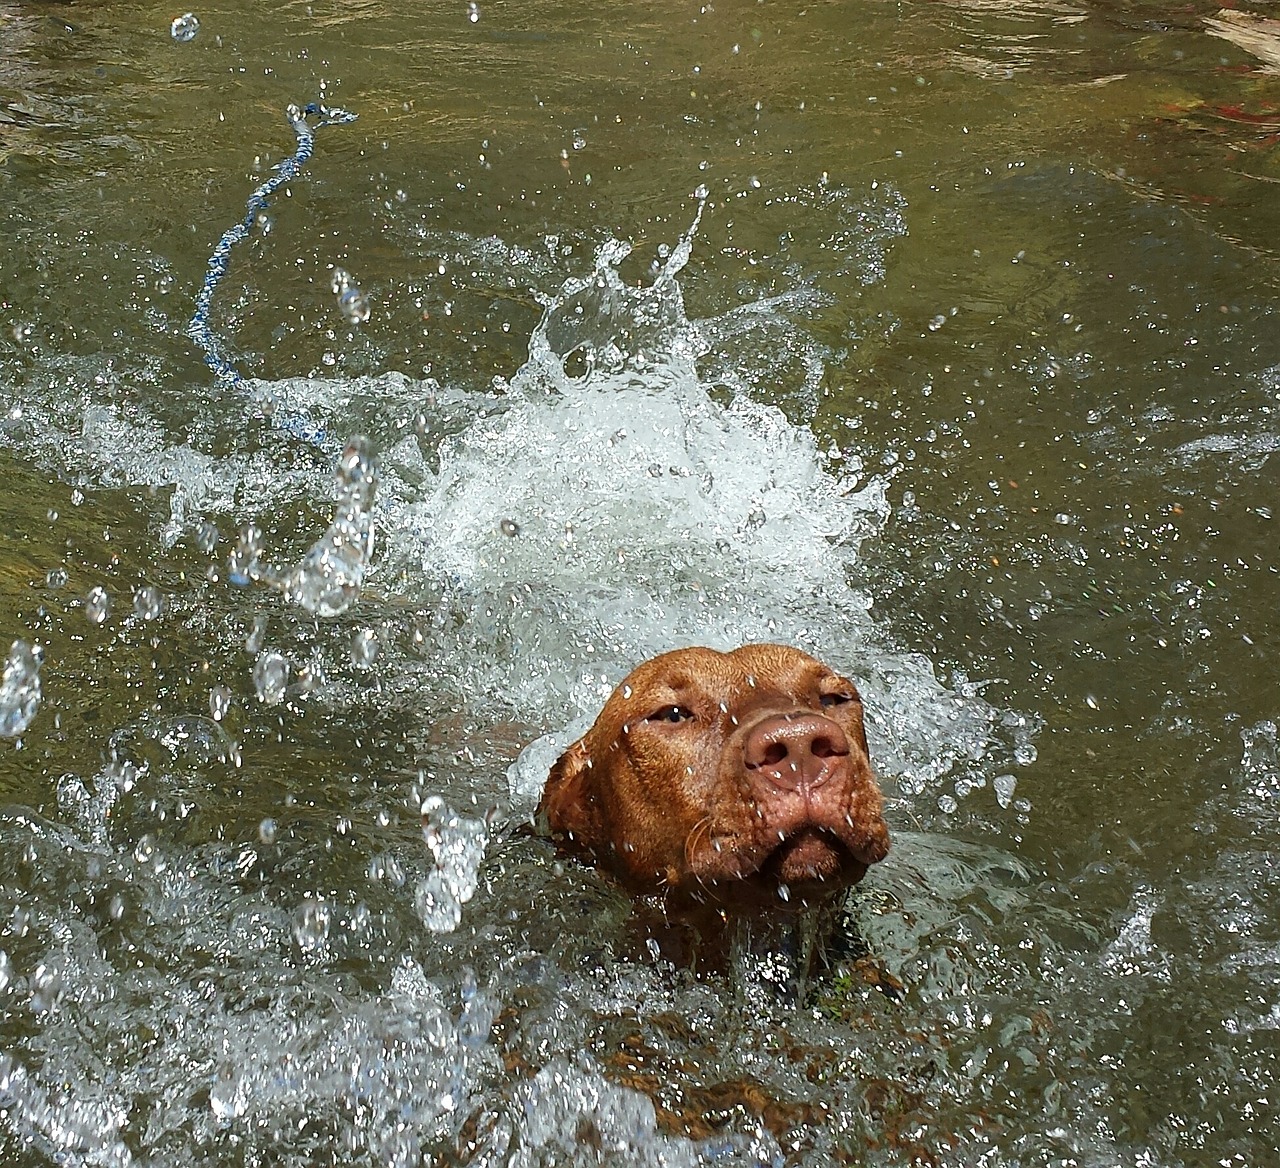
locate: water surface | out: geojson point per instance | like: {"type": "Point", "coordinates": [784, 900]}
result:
{"type": "Point", "coordinates": [937, 339]}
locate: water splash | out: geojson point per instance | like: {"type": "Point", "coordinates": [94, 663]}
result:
{"type": "Point", "coordinates": [327, 581]}
{"type": "Point", "coordinates": [76, 1125]}
{"type": "Point", "coordinates": [458, 845]}
{"type": "Point", "coordinates": [20, 690]}
{"type": "Point", "coordinates": [612, 504]}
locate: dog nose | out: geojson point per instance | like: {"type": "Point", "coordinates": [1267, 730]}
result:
{"type": "Point", "coordinates": [794, 752]}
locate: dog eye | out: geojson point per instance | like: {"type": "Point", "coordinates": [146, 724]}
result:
{"type": "Point", "coordinates": [835, 699]}
{"type": "Point", "coordinates": [670, 714]}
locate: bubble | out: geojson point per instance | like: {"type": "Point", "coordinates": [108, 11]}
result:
{"type": "Point", "coordinates": [148, 602]}
{"type": "Point", "coordinates": [20, 690]}
{"type": "Point", "coordinates": [184, 27]}
{"type": "Point", "coordinates": [56, 578]}
{"type": "Point", "coordinates": [97, 604]}
{"type": "Point", "coordinates": [270, 677]}
{"type": "Point", "coordinates": [364, 648]}
{"type": "Point", "coordinates": [220, 698]}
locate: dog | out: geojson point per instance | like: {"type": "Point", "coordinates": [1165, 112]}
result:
{"type": "Point", "coordinates": [727, 780]}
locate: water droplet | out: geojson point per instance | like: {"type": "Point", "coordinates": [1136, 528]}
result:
{"type": "Point", "coordinates": [510, 527]}
{"type": "Point", "coordinates": [220, 698]}
{"type": "Point", "coordinates": [184, 27]}
{"type": "Point", "coordinates": [311, 926]}
{"type": "Point", "coordinates": [148, 602]}
{"type": "Point", "coordinates": [1004, 787]}
{"type": "Point", "coordinates": [1025, 754]}
{"type": "Point", "coordinates": [354, 306]}
{"type": "Point", "coordinates": [242, 563]}
{"type": "Point", "coordinates": [458, 844]}
{"type": "Point", "coordinates": [145, 849]}
{"type": "Point", "coordinates": [46, 988]}
{"type": "Point", "coordinates": [257, 635]}
{"type": "Point", "coordinates": [364, 648]}
{"type": "Point", "coordinates": [267, 831]}
{"type": "Point", "coordinates": [56, 578]}
{"type": "Point", "coordinates": [328, 580]}
{"type": "Point", "coordinates": [207, 537]}
{"type": "Point", "coordinates": [6, 971]}
{"type": "Point", "coordinates": [947, 804]}
{"type": "Point", "coordinates": [20, 690]}
{"type": "Point", "coordinates": [225, 1099]}
{"type": "Point", "coordinates": [97, 604]}
{"type": "Point", "coordinates": [270, 677]}
{"type": "Point", "coordinates": [473, 12]}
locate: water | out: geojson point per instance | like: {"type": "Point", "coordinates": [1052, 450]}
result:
{"type": "Point", "coordinates": [966, 380]}
{"type": "Point", "coordinates": [19, 690]}
{"type": "Point", "coordinates": [185, 27]}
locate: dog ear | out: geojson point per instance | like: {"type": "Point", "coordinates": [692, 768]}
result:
{"type": "Point", "coordinates": [569, 806]}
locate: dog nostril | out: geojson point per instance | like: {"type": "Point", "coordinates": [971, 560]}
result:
{"type": "Point", "coordinates": [774, 754]}
{"type": "Point", "coordinates": [823, 747]}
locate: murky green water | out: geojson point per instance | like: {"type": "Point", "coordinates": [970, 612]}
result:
{"type": "Point", "coordinates": [1007, 273]}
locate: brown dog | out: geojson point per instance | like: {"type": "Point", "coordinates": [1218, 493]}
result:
{"type": "Point", "coordinates": [724, 778]}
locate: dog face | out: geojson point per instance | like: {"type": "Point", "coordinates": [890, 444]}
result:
{"type": "Point", "coordinates": [724, 778]}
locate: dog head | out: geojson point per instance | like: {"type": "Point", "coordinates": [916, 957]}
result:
{"type": "Point", "coordinates": [724, 778]}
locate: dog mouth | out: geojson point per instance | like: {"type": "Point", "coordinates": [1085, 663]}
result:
{"type": "Point", "coordinates": [811, 855]}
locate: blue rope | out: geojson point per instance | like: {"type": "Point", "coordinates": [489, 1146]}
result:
{"type": "Point", "coordinates": [198, 330]}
